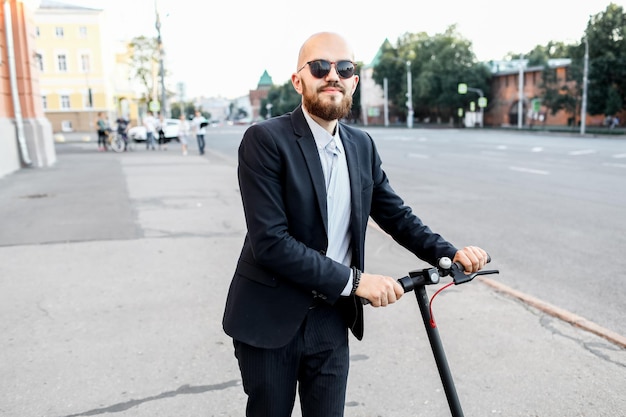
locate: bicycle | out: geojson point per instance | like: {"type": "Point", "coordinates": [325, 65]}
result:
{"type": "Point", "coordinates": [117, 142]}
{"type": "Point", "coordinates": [417, 280]}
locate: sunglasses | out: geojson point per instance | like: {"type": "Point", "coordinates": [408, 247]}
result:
{"type": "Point", "coordinates": [320, 68]}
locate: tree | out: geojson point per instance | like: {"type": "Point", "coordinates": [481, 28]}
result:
{"type": "Point", "coordinates": [438, 64]}
{"type": "Point", "coordinates": [144, 59]}
{"type": "Point", "coordinates": [606, 35]}
{"type": "Point", "coordinates": [188, 109]}
{"type": "Point", "coordinates": [283, 98]}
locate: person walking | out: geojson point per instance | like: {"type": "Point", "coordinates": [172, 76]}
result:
{"type": "Point", "coordinates": [183, 133]}
{"type": "Point", "coordinates": [309, 184]}
{"type": "Point", "coordinates": [150, 123]}
{"type": "Point", "coordinates": [199, 124]}
{"type": "Point", "coordinates": [123, 124]}
{"type": "Point", "coordinates": [102, 127]}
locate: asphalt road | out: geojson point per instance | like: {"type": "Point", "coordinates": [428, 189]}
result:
{"type": "Point", "coordinates": [549, 208]}
{"type": "Point", "coordinates": [114, 269]}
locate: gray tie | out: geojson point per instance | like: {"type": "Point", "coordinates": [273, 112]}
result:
{"type": "Point", "coordinates": [331, 158]}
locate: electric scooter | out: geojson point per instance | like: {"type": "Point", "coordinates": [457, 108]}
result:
{"type": "Point", "coordinates": [417, 281]}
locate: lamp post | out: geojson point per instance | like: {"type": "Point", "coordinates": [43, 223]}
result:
{"type": "Point", "coordinates": [409, 95]}
{"type": "Point", "coordinates": [583, 110]}
{"type": "Point", "coordinates": [161, 54]}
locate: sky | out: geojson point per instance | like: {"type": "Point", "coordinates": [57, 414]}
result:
{"type": "Point", "coordinates": [220, 48]}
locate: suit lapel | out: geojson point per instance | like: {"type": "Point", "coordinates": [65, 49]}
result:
{"type": "Point", "coordinates": [354, 170]}
{"type": "Point", "coordinates": [312, 160]}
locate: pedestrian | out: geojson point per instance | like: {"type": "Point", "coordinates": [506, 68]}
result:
{"type": "Point", "coordinates": [183, 133]}
{"type": "Point", "coordinates": [123, 124]}
{"type": "Point", "coordinates": [199, 124]}
{"type": "Point", "coordinates": [150, 123]}
{"type": "Point", "coordinates": [309, 184]}
{"type": "Point", "coordinates": [102, 127]}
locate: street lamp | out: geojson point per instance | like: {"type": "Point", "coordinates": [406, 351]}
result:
{"type": "Point", "coordinates": [583, 109]}
{"type": "Point", "coordinates": [409, 95]}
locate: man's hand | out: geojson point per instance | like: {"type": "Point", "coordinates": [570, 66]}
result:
{"type": "Point", "coordinates": [472, 258]}
{"type": "Point", "coordinates": [380, 290]}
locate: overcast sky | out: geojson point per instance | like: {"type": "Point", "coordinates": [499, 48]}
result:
{"type": "Point", "coordinates": [221, 48]}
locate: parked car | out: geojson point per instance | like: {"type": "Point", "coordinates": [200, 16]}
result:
{"type": "Point", "coordinates": [172, 126]}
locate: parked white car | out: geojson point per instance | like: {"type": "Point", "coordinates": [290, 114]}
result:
{"type": "Point", "coordinates": [172, 126]}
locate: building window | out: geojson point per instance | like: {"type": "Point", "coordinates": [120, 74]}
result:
{"type": "Point", "coordinates": [88, 99]}
{"type": "Point", "coordinates": [37, 31]}
{"type": "Point", "coordinates": [62, 62]}
{"type": "Point", "coordinates": [85, 64]}
{"type": "Point", "coordinates": [59, 31]}
{"type": "Point", "coordinates": [44, 102]}
{"type": "Point", "coordinates": [82, 32]}
{"type": "Point", "coordinates": [65, 102]}
{"type": "Point", "coordinates": [39, 59]}
{"type": "Point", "coordinates": [66, 126]}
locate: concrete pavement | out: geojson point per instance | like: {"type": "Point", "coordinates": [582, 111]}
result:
{"type": "Point", "coordinates": [113, 274]}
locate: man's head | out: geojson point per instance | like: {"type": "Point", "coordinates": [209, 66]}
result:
{"type": "Point", "coordinates": [325, 76]}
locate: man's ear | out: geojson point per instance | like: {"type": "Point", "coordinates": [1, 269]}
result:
{"type": "Point", "coordinates": [297, 83]}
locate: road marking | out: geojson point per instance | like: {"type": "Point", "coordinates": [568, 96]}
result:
{"type": "Point", "coordinates": [501, 147]}
{"type": "Point", "coordinates": [530, 170]}
{"type": "Point", "coordinates": [620, 155]}
{"type": "Point", "coordinates": [537, 149]}
{"type": "Point", "coordinates": [582, 152]}
{"type": "Point", "coordinates": [418, 155]}
{"type": "Point", "coordinates": [610, 164]}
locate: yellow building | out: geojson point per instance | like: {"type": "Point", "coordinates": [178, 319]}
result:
{"type": "Point", "coordinates": [83, 71]}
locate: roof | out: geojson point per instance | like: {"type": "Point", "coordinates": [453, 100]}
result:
{"type": "Point", "coordinates": [265, 80]}
{"type": "Point", "coordinates": [51, 4]}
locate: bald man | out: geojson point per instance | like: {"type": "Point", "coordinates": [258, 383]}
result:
{"type": "Point", "coordinates": [308, 184]}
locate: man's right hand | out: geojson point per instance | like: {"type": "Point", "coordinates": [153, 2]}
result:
{"type": "Point", "coordinates": [380, 290]}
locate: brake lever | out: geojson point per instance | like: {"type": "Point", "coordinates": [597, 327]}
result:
{"type": "Point", "coordinates": [457, 272]}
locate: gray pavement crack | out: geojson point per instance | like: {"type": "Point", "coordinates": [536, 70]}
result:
{"type": "Point", "coordinates": [183, 390]}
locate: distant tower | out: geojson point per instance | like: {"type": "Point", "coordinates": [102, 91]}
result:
{"type": "Point", "coordinates": [256, 96]}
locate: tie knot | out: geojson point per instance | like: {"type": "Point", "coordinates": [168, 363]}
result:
{"type": "Point", "coordinates": [331, 146]}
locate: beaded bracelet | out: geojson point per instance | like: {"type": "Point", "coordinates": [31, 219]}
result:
{"type": "Point", "coordinates": [356, 278]}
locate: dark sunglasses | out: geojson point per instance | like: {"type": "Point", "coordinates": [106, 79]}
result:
{"type": "Point", "coordinates": [320, 68]}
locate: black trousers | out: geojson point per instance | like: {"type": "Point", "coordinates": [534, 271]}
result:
{"type": "Point", "coordinates": [316, 361]}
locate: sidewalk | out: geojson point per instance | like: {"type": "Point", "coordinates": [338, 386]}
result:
{"type": "Point", "coordinates": [113, 274]}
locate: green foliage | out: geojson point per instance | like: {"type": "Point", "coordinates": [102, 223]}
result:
{"type": "Point", "coordinates": [187, 109]}
{"type": "Point", "coordinates": [606, 34]}
{"type": "Point", "coordinates": [283, 98]}
{"type": "Point", "coordinates": [606, 37]}
{"type": "Point", "coordinates": [438, 64]}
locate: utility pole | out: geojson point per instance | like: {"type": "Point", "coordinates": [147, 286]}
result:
{"type": "Point", "coordinates": [161, 54]}
{"type": "Point", "coordinates": [583, 108]}
{"type": "Point", "coordinates": [520, 99]}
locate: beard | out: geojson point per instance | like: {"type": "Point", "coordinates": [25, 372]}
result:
{"type": "Point", "coordinates": [331, 111]}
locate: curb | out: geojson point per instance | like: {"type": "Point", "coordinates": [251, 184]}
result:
{"type": "Point", "coordinates": [557, 312]}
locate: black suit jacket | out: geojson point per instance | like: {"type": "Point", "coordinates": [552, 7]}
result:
{"type": "Point", "coordinates": [282, 264]}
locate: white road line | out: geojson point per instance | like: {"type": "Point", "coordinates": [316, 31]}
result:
{"type": "Point", "coordinates": [418, 155]}
{"type": "Point", "coordinates": [537, 149]}
{"type": "Point", "coordinates": [529, 170]}
{"type": "Point", "coordinates": [610, 164]}
{"type": "Point", "coordinates": [620, 155]}
{"type": "Point", "coordinates": [582, 152]}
